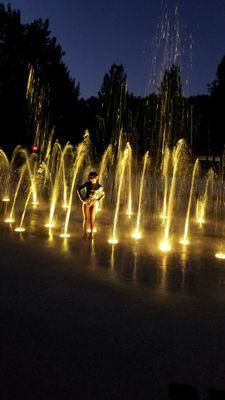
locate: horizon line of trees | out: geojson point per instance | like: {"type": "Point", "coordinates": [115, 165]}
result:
{"type": "Point", "coordinates": [48, 101]}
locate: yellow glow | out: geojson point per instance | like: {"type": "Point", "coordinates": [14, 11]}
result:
{"type": "Point", "coordinates": [9, 220]}
{"type": "Point", "coordinates": [184, 241]}
{"type": "Point", "coordinates": [129, 213]}
{"type": "Point", "coordinates": [64, 235]}
{"type": "Point", "coordinates": [98, 207]}
{"type": "Point", "coordinates": [163, 217]}
{"type": "Point", "coordinates": [6, 199]}
{"type": "Point", "coordinates": [113, 241]}
{"type": "Point", "coordinates": [137, 235]}
{"type": "Point", "coordinates": [220, 255]}
{"type": "Point", "coordinates": [49, 225]}
{"type": "Point", "coordinates": [94, 230]}
{"type": "Point", "coordinates": [65, 206]}
{"type": "Point", "coordinates": [201, 221]}
{"type": "Point", "coordinates": [165, 246]}
{"type": "Point", "coordinates": [35, 203]}
{"type": "Point", "coordinates": [20, 229]}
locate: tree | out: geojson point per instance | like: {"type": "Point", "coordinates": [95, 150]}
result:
{"type": "Point", "coordinates": [23, 46]}
{"type": "Point", "coordinates": [217, 97]}
{"type": "Point", "coordinates": [112, 97]}
{"type": "Point", "coordinates": [170, 105]}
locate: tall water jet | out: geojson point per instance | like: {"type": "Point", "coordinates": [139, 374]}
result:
{"type": "Point", "coordinates": [20, 228]}
{"type": "Point", "coordinates": [107, 160]}
{"type": "Point", "coordinates": [202, 202]}
{"type": "Point", "coordinates": [81, 154]}
{"type": "Point", "coordinates": [137, 234]}
{"type": "Point", "coordinates": [55, 191]}
{"type": "Point", "coordinates": [185, 239]}
{"type": "Point", "coordinates": [65, 205]}
{"type": "Point", "coordinates": [121, 171]}
{"type": "Point", "coordinates": [129, 205]}
{"type": "Point", "coordinates": [165, 244]}
{"type": "Point", "coordinates": [4, 175]}
{"type": "Point", "coordinates": [37, 95]}
{"type": "Point", "coordinates": [22, 152]}
{"type": "Point", "coordinates": [165, 170]}
{"type": "Point", "coordinates": [200, 211]}
{"type": "Point", "coordinates": [11, 215]}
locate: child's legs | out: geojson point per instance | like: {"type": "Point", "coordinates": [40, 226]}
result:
{"type": "Point", "coordinates": [85, 217]}
{"type": "Point", "coordinates": [92, 217]}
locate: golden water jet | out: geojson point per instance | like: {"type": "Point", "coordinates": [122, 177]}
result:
{"type": "Point", "coordinates": [165, 244]}
{"type": "Point", "coordinates": [137, 234]}
{"type": "Point", "coordinates": [121, 171]}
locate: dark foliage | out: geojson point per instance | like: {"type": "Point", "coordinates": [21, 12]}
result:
{"type": "Point", "coordinates": [23, 45]}
{"type": "Point", "coordinates": [148, 123]}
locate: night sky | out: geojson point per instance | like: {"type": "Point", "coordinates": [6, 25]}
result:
{"type": "Point", "coordinates": [96, 33]}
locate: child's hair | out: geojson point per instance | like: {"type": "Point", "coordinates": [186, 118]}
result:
{"type": "Point", "coordinates": [92, 174]}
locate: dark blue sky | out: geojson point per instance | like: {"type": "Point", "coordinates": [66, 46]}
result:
{"type": "Point", "coordinates": [96, 33]}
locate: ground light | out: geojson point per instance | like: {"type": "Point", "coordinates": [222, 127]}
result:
{"type": "Point", "coordinates": [20, 229]}
{"type": "Point", "coordinates": [113, 241]}
{"type": "Point", "coordinates": [184, 241]}
{"type": "Point", "coordinates": [94, 230]}
{"type": "Point", "coordinates": [165, 246]}
{"type": "Point", "coordinates": [220, 255]}
{"type": "Point", "coordinates": [49, 225]}
{"type": "Point", "coordinates": [64, 235]}
{"type": "Point", "coordinates": [137, 235]}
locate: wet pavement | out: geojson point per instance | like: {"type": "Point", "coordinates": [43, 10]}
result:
{"type": "Point", "coordinates": [83, 319]}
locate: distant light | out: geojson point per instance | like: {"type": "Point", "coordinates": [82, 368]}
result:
{"type": "Point", "coordinates": [65, 206]}
{"type": "Point", "coordinates": [6, 199]}
{"type": "Point", "coordinates": [35, 148]}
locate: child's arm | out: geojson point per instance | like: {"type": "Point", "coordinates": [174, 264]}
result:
{"type": "Point", "coordinates": [79, 189]}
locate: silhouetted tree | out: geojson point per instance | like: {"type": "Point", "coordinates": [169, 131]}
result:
{"type": "Point", "coordinates": [217, 128]}
{"type": "Point", "coordinates": [22, 45]}
{"type": "Point", "coordinates": [201, 132]}
{"type": "Point", "coordinates": [170, 106]}
{"type": "Point", "coordinates": [112, 97]}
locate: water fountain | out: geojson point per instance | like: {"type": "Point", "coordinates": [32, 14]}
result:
{"type": "Point", "coordinates": [178, 151]}
{"type": "Point", "coordinates": [185, 239]}
{"type": "Point", "coordinates": [81, 154]}
{"type": "Point", "coordinates": [137, 233]}
{"type": "Point", "coordinates": [121, 171]}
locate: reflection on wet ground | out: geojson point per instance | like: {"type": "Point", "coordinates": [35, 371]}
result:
{"type": "Point", "coordinates": [191, 269]}
{"type": "Point", "coordinates": [128, 317]}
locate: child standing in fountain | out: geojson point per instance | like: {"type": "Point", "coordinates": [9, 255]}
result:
{"type": "Point", "coordinates": [93, 193]}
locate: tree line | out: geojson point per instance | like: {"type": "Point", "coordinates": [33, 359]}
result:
{"type": "Point", "coordinates": [47, 101]}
